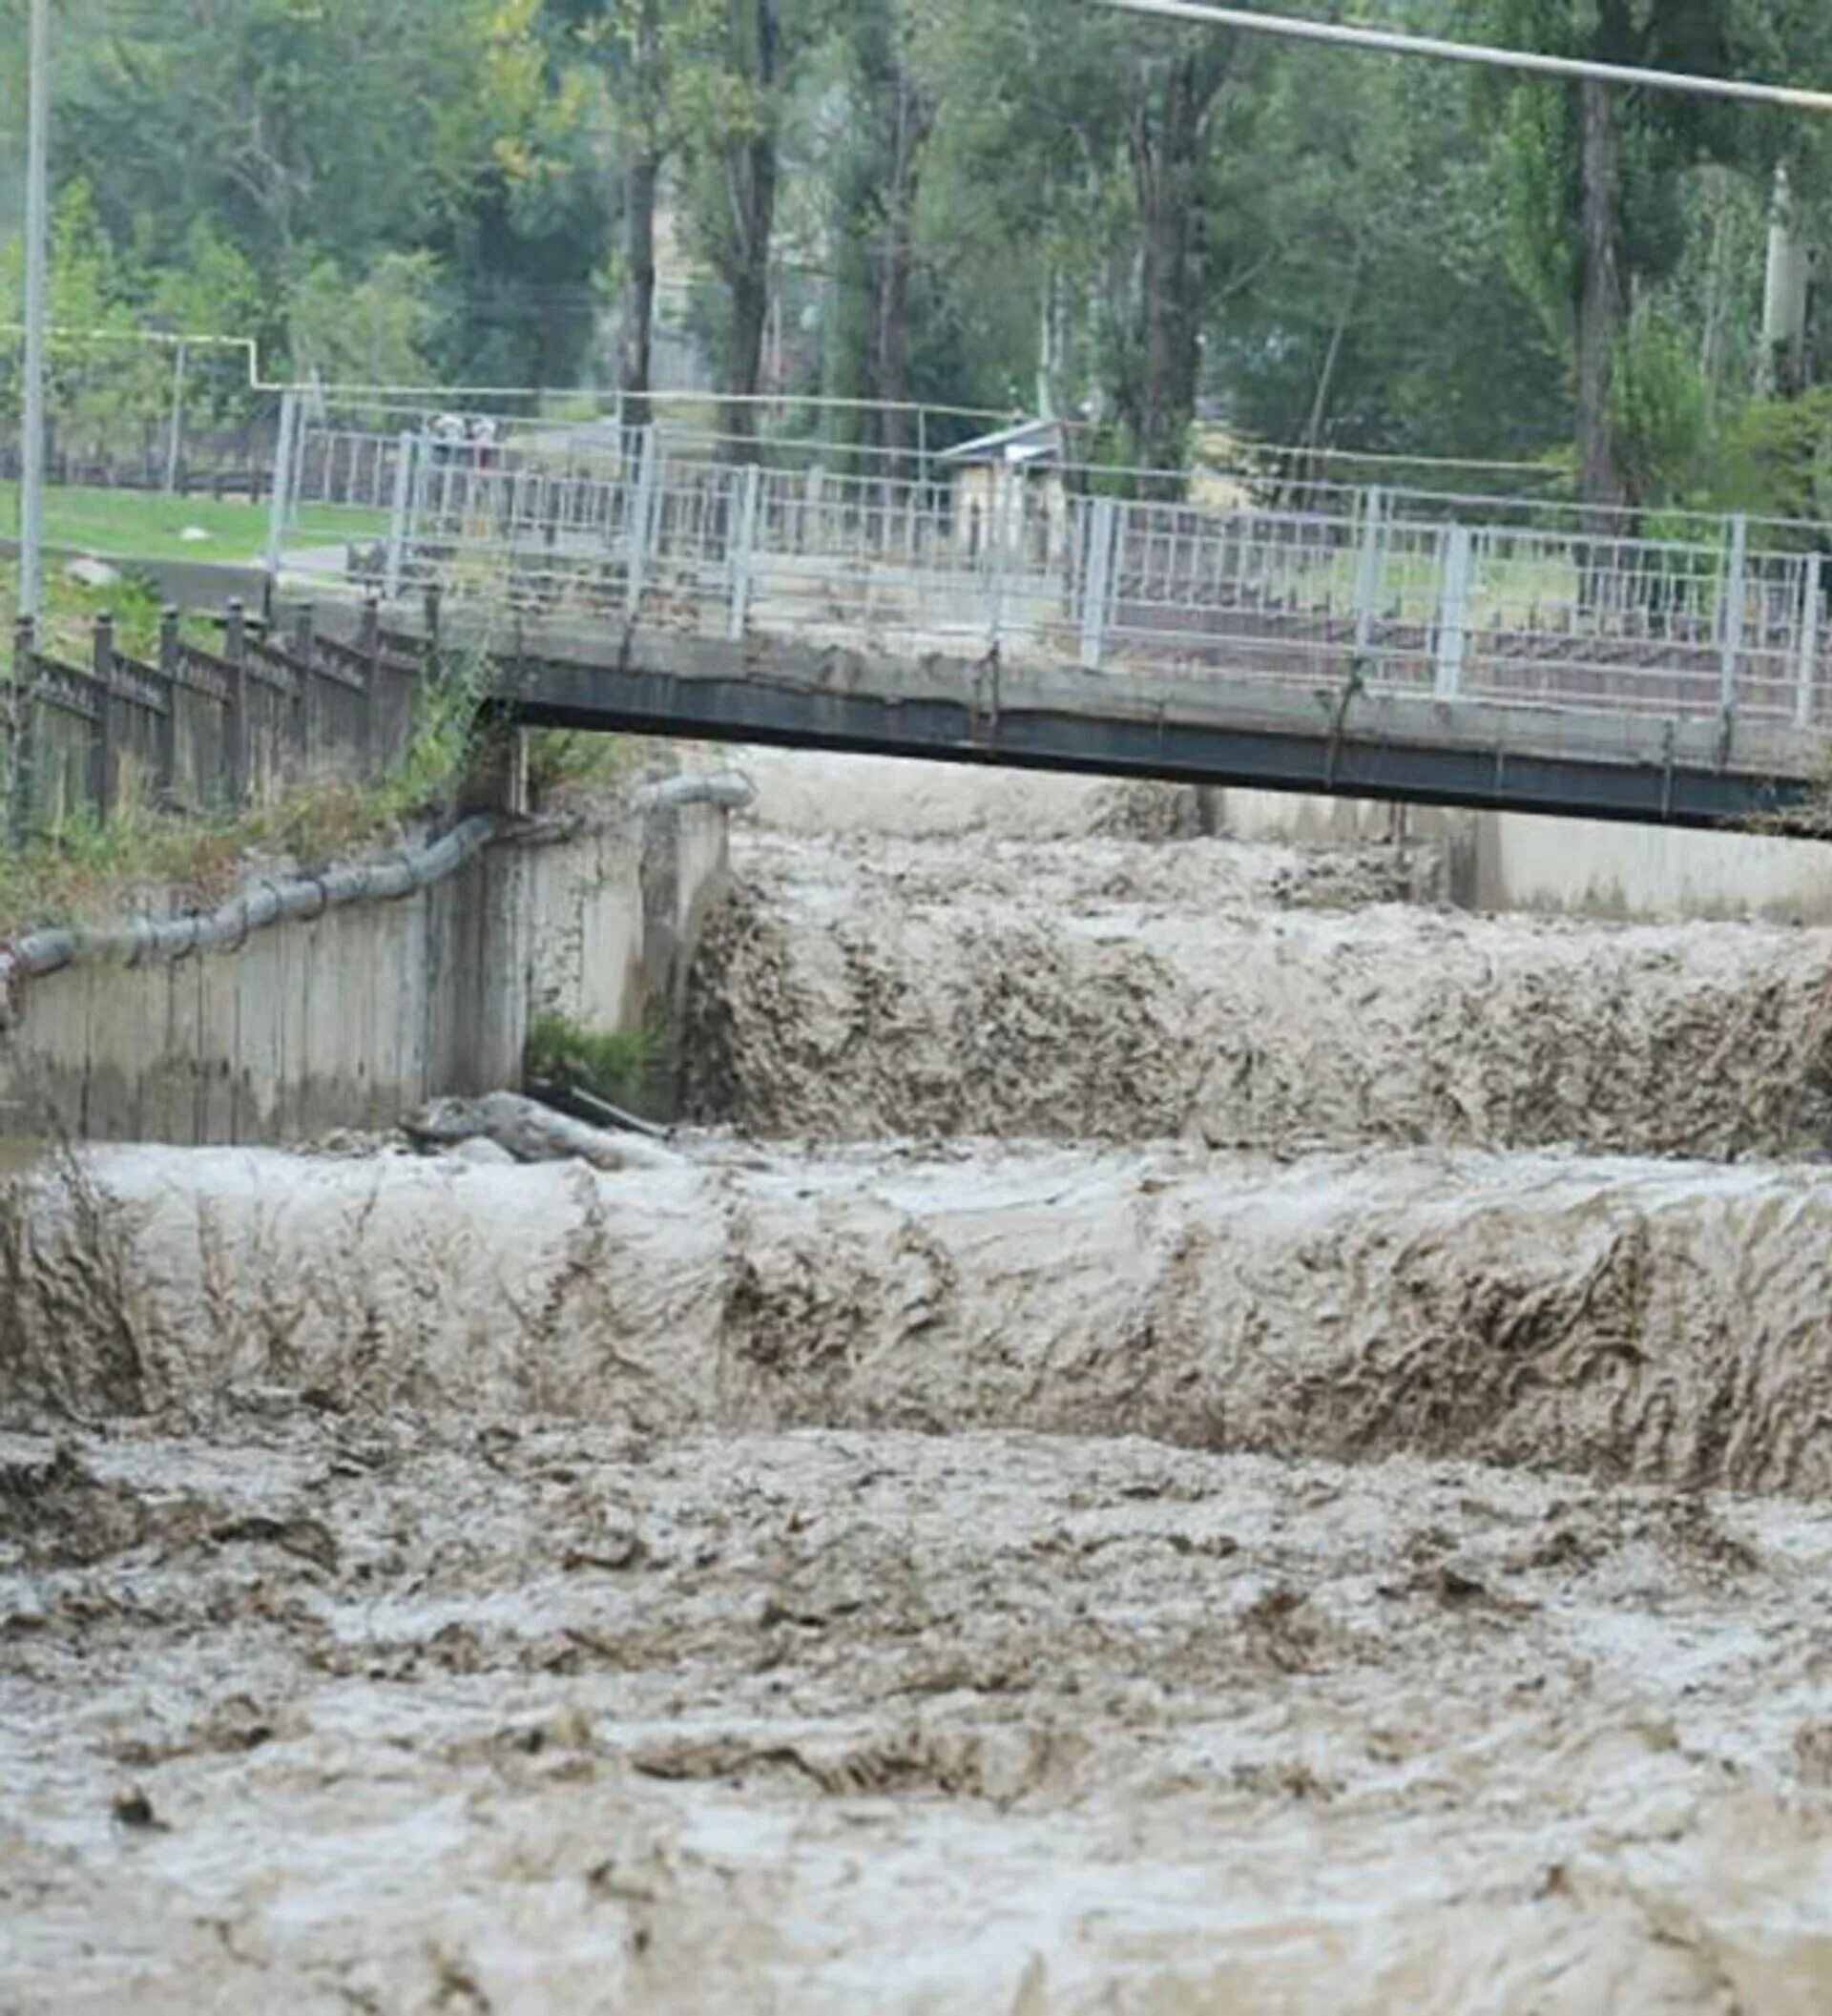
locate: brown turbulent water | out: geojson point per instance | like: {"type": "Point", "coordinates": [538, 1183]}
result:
{"type": "Point", "coordinates": [1191, 1438]}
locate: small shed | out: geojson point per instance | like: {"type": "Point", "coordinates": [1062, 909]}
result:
{"type": "Point", "coordinates": [1010, 496]}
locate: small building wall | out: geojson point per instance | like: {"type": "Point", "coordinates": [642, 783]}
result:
{"type": "Point", "coordinates": [354, 1019]}
{"type": "Point", "coordinates": [1023, 513]}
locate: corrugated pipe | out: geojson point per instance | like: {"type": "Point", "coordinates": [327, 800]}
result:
{"type": "Point", "coordinates": [141, 942]}
{"type": "Point", "coordinates": [730, 790]}
{"type": "Point", "coordinates": [146, 942]}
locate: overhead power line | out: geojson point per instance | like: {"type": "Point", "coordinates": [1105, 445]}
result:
{"type": "Point", "coordinates": [1530, 62]}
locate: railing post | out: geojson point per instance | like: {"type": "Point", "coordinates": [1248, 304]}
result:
{"type": "Point", "coordinates": [235, 737]}
{"type": "Point", "coordinates": [398, 517]}
{"type": "Point", "coordinates": [299, 639]}
{"type": "Point", "coordinates": [744, 549]}
{"type": "Point", "coordinates": [368, 641]}
{"type": "Point", "coordinates": [24, 698]}
{"type": "Point", "coordinates": [641, 526]}
{"type": "Point", "coordinates": [166, 782]}
{"type": "Point", "coordinates": [1367, 570]}
{"type": "Point", "coordinates": [1812, 589]}
{"type": "Point", "coordinates": [1736, 590]}
{"type": "Point", "coordinates": [101, 738]}
{"type": "Point", "coordinates": [1097, 578]}
{"type": "Point", "coordinates": [279, 506]}
{"type": "Point", "coordinates": [1453, 611]}
{"type": "Point", "coordinates": [995, 556]}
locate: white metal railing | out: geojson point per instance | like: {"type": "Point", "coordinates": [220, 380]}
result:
{"type": "Point", "coordinates": [1403, 591]}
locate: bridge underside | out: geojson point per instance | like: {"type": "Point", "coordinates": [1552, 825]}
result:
{"type": "Point", "coordinates": [1201, 729]}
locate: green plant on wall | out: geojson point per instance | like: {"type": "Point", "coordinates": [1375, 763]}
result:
{"type": "Point", "coordinates": [609, 1064]}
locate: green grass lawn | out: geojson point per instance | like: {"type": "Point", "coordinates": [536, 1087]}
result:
{"type": "Point", "coordinates": [134, 526]}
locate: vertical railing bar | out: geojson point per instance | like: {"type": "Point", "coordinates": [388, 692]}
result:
{"type": "Point", "coordinates": [1454, 545]}
{"type": "Point", "coordinates": [743, 551]}
{"type": "Point", "coordinates": [1367, 572]}
{"type": "Point", "coordinates": [1807, 691]}
{"type": "Point", "coordinates": [395, 566]}
{"type": "Point", "coordinates": [1733, 613]}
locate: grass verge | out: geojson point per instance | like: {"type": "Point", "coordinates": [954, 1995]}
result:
{"type": "Point", "coordinates": [146, 526]}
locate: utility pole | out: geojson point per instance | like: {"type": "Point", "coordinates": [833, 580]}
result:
{"type": "Point", "coordinates": [1782, 372]}
{"type": "Point", "coordinates": [31, 489]}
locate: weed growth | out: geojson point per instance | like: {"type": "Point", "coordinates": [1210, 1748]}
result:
{"type": "Point", "coordinates": [610, 1064]}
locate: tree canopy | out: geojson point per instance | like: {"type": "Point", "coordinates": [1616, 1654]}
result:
{"type": "Point", "coordinates": [1141, 227]}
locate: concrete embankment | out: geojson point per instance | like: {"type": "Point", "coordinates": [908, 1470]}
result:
{"type": "Point", "coordinates": [1515, 862]}
{"type": "Point", "coordinates": [348, 1017]}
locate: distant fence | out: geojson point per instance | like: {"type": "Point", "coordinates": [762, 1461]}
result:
{"type": "Point", "coordinates": [214, 462]}
{"type": "Point", "coordinates": [195, 730]}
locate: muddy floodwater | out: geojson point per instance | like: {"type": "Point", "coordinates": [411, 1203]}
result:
{"type": "Point", "coordinates": [1190, 1433]}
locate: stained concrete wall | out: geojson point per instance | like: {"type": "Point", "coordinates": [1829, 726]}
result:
{"type": "Point", "coordinates": [1506, 860]}
{"type": "Point", "coordinates": [354, 1019]}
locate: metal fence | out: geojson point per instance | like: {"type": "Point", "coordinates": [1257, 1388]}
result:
{"type": "Point", "coordinates": [1460, 599]}
{"type": "Point", "coordinates": [206, 731]}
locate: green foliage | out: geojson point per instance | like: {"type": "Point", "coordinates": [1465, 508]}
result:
{"type": "Point", "coordinates": [939, 199]}
{"type": "Point", "coordinates": [1777, 458]}
{"type": "Point", "coordinates": [375, 330]}
{"type": "Point", "coordinates": [613, 1065]}
{"type": "Point", "coordinates": [1662, 414]}
{"type": "Point", "coordinates": [565, 764]}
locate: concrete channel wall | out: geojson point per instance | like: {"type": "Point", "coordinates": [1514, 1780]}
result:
{"type": "Point", "coordinates": [1509, 861]}
{"type": "Point", "coordinates": [353, 1019]}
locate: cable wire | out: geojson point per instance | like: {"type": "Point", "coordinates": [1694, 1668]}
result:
{"type": "Point", "coordinates": [1533, 62]}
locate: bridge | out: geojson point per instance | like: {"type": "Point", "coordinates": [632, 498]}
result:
{"type": "Point", "coordinates": [1369, 642]}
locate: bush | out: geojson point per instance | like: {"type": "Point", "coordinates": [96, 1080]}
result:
{"type": "Point", "coordinates": [611, 1065]}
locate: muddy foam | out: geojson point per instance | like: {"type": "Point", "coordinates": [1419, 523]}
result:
{"type": "Point", "coordinates": [1104, 990]}
{"type": "Point", "coordinates": [1662, 1321]}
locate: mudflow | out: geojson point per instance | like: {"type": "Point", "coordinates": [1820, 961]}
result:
{"type": "Point", "coordinates": [1190, 1433]}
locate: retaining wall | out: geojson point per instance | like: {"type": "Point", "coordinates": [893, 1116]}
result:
{"type": "Point", "coordinates": [1509, 861]}
{"type": "Point", "coordinates": [355, 1018]}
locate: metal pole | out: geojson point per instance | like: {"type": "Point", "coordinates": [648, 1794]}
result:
{"type": "Point", "coordinates": [1367, 572]}
{"type": "Point", "coordinates": [1102, 531]}
{"type": "Point", "coordinates": [1734, 611]}
{"type": "Point", "coordinates": [278, 513]}
{"type": "Point", "coordinates": [1453, 609]}
{"type": "Point", "coordinates": [396, 564]}
{"type": "Point", "coordinates": [745, 550]}
{"type": "Point", "coordinates": [1811, 590]}
{"type": "Point", "coordinates": [172, 446]}
{"type": "Point", "coordinates": [31, 489]}
{"type": "Point", "coordinates": [640, 528]}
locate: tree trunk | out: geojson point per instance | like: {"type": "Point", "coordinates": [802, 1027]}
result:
{"type": "Point", "coordinates": [1601, 306]}
{"type": "Point", "coordinates": [1170, 175]}
{"type": "Point", "coordinates": [890, 304]}
{"type": "Point", "coordinates": [752, 179]}
{"type": "Point", "coordinates": [636, 345]}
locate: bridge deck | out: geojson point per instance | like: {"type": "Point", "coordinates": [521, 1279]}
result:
{"type": "Point", "coordinates": [1266, 733]}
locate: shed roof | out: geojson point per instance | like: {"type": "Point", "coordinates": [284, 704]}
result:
{"type": "Point", "coordinates": [1028, 441]}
